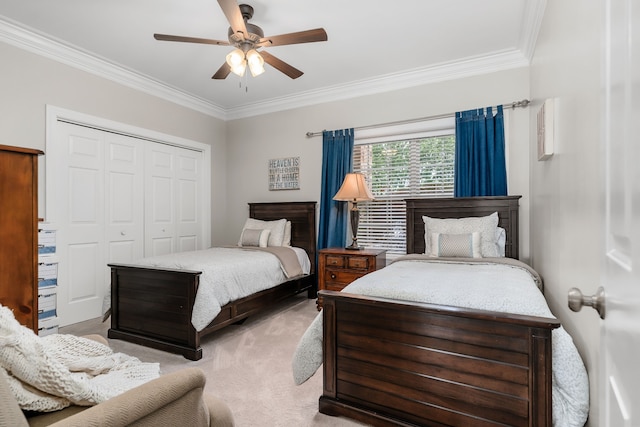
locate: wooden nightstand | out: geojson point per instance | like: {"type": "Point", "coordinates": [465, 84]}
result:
{"type": "Point", "coordinates": [337, 267]}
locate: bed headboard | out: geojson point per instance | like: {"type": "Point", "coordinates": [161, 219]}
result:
{"type": "Point", "coordinates": [303, 222]}
{"type": "Point", "coordinates": [461, 207]}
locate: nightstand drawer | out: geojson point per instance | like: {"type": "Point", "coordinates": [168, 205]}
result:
{"type": "Point", "coordinates": [358, 262]}
{"type": "Point", "coordinates": [335, 260]}
{"type": "Point", "coordinates": [339, 266]}
{"type": "Point", "coordinates": [342, 277]}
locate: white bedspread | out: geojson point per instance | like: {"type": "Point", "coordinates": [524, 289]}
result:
{"type": "Point", "coordinates": [227, 274]}
{"type": "Point", "coordinates": [485, 286]}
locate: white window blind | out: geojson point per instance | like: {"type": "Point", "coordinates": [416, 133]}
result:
{"type": "Point", "coordinates": [397, 169]}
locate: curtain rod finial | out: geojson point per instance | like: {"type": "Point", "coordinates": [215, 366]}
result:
{"type": "Point", "coordinates": [523, 103]}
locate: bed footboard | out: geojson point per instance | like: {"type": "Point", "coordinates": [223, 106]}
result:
{"type": "Point", "coordinates": [152, 307]}
{"type": "Point", "coordinates": [390, 362]}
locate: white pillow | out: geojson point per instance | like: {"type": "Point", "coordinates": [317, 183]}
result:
{"type": "Point", "coordinates": [456, 245]}
{"type": "Point", "coordinates": [485, 225]}
{"type": "Point", "coordinates": [252, 237]}
{"type": "Point", "coordinates": [501, 241]}
{"type": "Point", "coordinates": [286, 240]}
{"type": "Point", "coordinates": [276, 227]}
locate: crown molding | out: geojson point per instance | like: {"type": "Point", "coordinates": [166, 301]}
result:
{"type": "Point", "coordinates": [531, 23]}
{"type": "Point", "coordinates": [419, 76]}
{"type": "Point", "coordinates": [29, 40]}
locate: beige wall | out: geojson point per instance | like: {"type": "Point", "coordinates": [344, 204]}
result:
{"type": "Point", "coordinates": [251, 142]}
{"type": "Point", "coordinates": [561, 213]}
{"type": "Point", "coordinates": [566, 207]}
{"type": "Point", "coordinates": [29, 82]}
{"type": "Point", "coordinates": [241, 148]}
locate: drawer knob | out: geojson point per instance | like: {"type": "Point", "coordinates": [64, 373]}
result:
{"type": "Point", "coordinates": [333, 276]}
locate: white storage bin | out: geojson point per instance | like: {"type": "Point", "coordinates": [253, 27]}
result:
{"type": "Point", "coordinates": [48, 326]}
{"type": "Point", "coordinates": [47, 301]}
{"type": "Point", "coordinates": [47, 274]}
{"type": "Point", "coordinates": [46, 242]}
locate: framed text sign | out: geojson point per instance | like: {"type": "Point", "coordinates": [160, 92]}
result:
{"type": "Point", "coordinates": [284, 174]}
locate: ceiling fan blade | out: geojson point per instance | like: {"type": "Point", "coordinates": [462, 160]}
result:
{"type": "Point", "coordinates": [222, 72]}
{"type": "Point", "coordinates": [234, 16]}
{"type": "Point", "coordinates": [309, 36]}
{"type": "Point", "coordinates": [280, 65]}
{"type": "Point", "coordinates": [170, 38]}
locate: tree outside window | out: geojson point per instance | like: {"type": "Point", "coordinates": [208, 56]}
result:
{"type": "Point", "coordinates": [398, 170]}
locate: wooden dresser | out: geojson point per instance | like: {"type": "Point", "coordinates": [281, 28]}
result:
{"type": "Point", "coordinates": [19, 233]}
{"type": "Point", "coordinates": [337, 267]}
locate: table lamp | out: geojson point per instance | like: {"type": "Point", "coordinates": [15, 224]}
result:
{"type": "Point", "coordinates": [354, 189]}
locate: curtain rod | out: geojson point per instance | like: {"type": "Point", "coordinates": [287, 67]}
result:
{"type": "Point", "coordinates": [513, 105]}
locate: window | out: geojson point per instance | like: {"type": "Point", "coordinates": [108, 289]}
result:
{"type": "Point", "coordinates": [397, 167]}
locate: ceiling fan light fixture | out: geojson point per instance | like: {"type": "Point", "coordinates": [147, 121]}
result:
{"type": "Point", "coordinates": [256, 62]}
{"type": "Point", "coordinates": [246, 37]}
{"type": "Point", "coordinates": [237, 62]}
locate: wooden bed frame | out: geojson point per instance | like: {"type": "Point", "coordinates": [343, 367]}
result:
{"type": "Point", "coordinates": [152, 306]}
{"type": "Point", "coordinates": [390, 362]}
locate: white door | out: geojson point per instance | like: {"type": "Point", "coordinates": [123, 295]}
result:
{"type": "Point", "coordinates": [160, 196]}
{"type": "Point", "coordinates": [188, 182]}
{"type": "Point", "coordinates": [99, 214]}
{"type": "Point", "coordinates": [619, 382]}
{"type": "Point", "coordinates": [173, 202]}
{"type": "Point", "coordinates": [96, 191]}
{"type": "Point", "coordinates": [78, 166]}
{"type": "Point", "coordinates": [124, 222]}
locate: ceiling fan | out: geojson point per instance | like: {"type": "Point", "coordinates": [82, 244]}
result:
{"type": "Point", "coordinates": [247, 39]}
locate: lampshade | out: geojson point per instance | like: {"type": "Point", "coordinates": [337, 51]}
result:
{"type": "Point", "coordinates": [256, 62]}
{"type": "Point", "coordinates": [237, 62]}
{"type": "Point", "coordinates": [354, 189]}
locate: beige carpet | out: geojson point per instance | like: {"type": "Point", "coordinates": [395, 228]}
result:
{"type": "Point", "coordinates": [248, 366]}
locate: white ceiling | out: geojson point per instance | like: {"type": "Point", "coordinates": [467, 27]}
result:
{"type": "Point", "coordinates": [372, 45]}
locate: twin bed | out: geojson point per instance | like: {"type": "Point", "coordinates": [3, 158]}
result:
{"type": "Point", "coordinates": [460, 354]}
{"type": "Point", "coordinates": [446, 341]}
{"type": "Point", "coordinates": [154, 305]}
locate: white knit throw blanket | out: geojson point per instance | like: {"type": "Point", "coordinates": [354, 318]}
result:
{"type": "Point", "coordinates": [50, 373]}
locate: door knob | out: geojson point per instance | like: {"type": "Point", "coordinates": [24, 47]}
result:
{"type": "Point", "coordinates": [577, 300]}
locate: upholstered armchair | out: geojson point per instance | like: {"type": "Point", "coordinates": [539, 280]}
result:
{"type": "Point", "coordinates": [174, 399]}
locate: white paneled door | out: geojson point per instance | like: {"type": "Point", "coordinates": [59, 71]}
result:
{"type": "Point", "coordinates": [124, 191]}
{"type": "Point", "coordinates": [80, 207]}
{"type": "Point", "coordinates": [173, 207]}
{"type": "Point", "coordinates": [160, 213]}
{"type": "Point", "coordinates": [188, 208]}
{"type": "Point", "coordinates": [116, 198]}
{"type": "Point", "coordinates": [620, 339]}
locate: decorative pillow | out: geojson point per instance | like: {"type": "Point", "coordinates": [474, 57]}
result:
{"type": "Point", "coordinates": [485, 225]}
{"type": "Point", "coordinates": [286, 240]}
{"type": "Point", "coordinates": [252, 237]}
{"type": "Point", "coordinates": [276, 227]}
{"type": "Point", "coordinates": [501, 241]}
{"type": "Point", "coordinates": [456, 245]}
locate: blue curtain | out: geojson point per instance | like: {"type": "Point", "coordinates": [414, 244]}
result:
{"type": "Point", "coordinates": [337, 161]}
{"type": "Point", "coordinates": [480, 166]}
